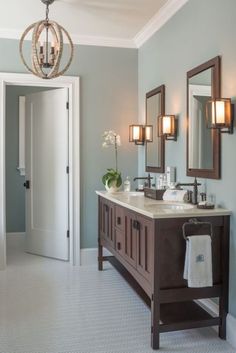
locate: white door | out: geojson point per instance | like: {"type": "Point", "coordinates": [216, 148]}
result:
{"type": "Point", "coordinates": [47, 175]}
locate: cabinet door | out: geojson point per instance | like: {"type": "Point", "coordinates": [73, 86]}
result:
{"type": "Point", "coordinates": [145, 234]}
{"type": "Point", "coordinates": [130, 238]}
{"type": "Point", "coordinates": [107, 222]}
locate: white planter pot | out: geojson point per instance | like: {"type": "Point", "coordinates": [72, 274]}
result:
{"type": "Point", "coordinates": [113, 188]}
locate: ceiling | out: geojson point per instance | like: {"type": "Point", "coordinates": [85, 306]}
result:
{"type": "Point", "coordinates": [114, 19]}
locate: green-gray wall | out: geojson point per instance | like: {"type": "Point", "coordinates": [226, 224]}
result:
{"type": "Point", "coordinates": [109, 100]}
{"type": "Point", "coordinates": [201, 30]}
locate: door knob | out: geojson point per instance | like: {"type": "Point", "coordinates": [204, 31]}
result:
{"type": "Point", "coordinates": [27, 184]}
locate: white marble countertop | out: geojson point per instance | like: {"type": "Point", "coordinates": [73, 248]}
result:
{"type": "Point", "coordinates": [136, 201]}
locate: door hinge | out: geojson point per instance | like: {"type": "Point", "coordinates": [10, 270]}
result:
{"type": "Point", "coordinates": [67, 169]}
{"type": "Point", "coordinates": [67, 105]}
{"type": "Point", "coordinates": [68, 234]}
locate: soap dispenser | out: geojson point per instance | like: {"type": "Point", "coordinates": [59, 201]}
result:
{"type": "Point", "coordinates": [127, 184]}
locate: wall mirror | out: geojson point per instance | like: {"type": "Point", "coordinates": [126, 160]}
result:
{"type": "Point", "coordinates": [203, 144]}
{"type": "Point", "coordinates": [155, 151]}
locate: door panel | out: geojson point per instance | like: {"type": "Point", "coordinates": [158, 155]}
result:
{"type": "Point", "coordinates": [46, 161]}
{"type": "Point", "coordinates": [145, 247]}
{"type": "Point", "coordinates": [130, 238]}
{"type": "Point", "coordinates": [107, 222]}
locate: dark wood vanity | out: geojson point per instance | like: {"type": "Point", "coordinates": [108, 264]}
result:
{"type": "Point", "coordinates": [151, 252]}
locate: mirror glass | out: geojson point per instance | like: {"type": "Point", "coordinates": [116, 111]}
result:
{"type": "Point", "coordinates": [203, 144]}
{"type": "Point", "coordinates": [155, 149]}
{"type": "Point", "coordinates": [200, 137]}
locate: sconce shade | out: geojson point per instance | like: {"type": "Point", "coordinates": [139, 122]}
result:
{"type": "Point", "coordinates": [140, 134]}
{"type": "Point", "coordinates": [167, 127]}
{"type": "Point", "coordinates": [136, 134]}
{"type": "Point", "coordinates": [148, 133]}
{"type": "Point", "coordinates": [219, 114]}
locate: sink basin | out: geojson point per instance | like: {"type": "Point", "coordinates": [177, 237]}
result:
{"type": "Point", "coordinates": [131, 193]}
{"type": "Point", "coordinates": [170, 206]}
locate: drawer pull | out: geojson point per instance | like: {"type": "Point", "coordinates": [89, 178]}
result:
{"type": "Point", "coordinates": [118, 246]}
{"type": "Point", "coordinates": [118, 220]}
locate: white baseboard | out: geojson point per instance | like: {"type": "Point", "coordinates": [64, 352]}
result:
{"type": "Point", "coordinates": [231, 330]}
{"type": "Point", "coordinates": [230, 322]}
{"type": "Point", "coordinates": [17, 234]}
{"type": "Point", "coordinates": [15, 240]}
{"type": "Point", "coordinates": [89, 256]}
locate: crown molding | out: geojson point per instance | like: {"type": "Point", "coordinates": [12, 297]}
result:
{"type": "Point", "coordinates": [104, 41]}
{"type": "Point", "coordinates": [77, 39]}
{"type": "Point", "coordinates": [158, 20]}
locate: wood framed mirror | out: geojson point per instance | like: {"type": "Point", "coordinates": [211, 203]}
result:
{"type": "Point", "coordinates": [203, 144]}
{"type": "Point", "coordinates": [155, 151]}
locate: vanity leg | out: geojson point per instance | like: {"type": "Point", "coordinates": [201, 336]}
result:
{"type": "Point", "coordinates": [223, 315]}
{"type": "Point", "coordinates": [155, 334]}
{"type": "Point", "coordinates": [224, 301]}
{"type": "Point", "coordinates": [100, 256]}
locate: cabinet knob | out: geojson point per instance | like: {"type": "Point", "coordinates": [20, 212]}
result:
{"type": "Point", "coordinates": [119, 246]}
{"type": "Point", "coordinates": [118, 220]}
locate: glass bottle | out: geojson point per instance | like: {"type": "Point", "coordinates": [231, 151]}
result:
{"type": "Point", "coordinates": [127, 184]}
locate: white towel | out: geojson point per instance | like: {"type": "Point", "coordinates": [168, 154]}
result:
{"type": "Point", "coordinates": [175, 195]}
{"type": "Point", "coordinates": [198, 261]}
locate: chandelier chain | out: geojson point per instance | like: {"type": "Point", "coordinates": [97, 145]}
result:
{"type": "Point", "coordinates": [47, 12]}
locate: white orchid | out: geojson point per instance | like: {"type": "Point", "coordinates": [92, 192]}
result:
{"type": "Point", "coordinates": [111, 138]}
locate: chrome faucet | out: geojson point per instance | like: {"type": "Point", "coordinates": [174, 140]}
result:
{"type": "Point", "coordinates": [195, 184]}
{"type": "Point", "coordinates": [148, 178]}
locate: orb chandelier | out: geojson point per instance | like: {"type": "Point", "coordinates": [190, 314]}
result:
{"type": "Point", "coordinates": [47, 47]}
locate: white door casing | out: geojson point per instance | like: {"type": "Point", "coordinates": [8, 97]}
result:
{"type": "Point", "coordinates": [46, 162]}
{"type": "Point", "coordinates": [72, 83]}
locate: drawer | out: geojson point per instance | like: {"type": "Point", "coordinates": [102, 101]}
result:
{"type": "Point", "coordinates": [119, 218]}
{"type": "Point", "coordinates": [119, 243]}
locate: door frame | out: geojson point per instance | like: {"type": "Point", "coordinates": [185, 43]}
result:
{"type": "Point", "coordinates": [73, 85]}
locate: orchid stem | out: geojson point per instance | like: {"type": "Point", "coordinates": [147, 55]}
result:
{"type": "Point", "coordinates": [116, 154]}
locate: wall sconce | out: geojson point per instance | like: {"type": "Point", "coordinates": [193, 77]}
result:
{"type": "Point", "coordinates": [220, 115]}
{"type": "Point", "coordinates": [167, 127]}
{"type": "Point", "coordinates": [139, 134]}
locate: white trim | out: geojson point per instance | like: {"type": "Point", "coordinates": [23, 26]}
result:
{"type": "Point", "coordinates": [230, 321]}
{"type": "Point", "coordinates": [104, 41]}
{"type": "Point", "coordinates": [77, 39]}
{"type": "Point", "coordinates": [21, 164]}
{"type": "Point", "coordinates": [89, 256]}
{"type": "Point", "coordinates": [231, 329]}
{"type": "Point", "coordinates": [72, 83]}
{"type": "Point", "coordinates": [158, 20]}
{"type": "Point", "coordinates": [16, 234]}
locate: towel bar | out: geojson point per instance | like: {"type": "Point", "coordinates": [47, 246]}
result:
{"type": "Point", "coordinates": [194, 221]}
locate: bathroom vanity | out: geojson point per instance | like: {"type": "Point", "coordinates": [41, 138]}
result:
{"type": "Point", "coordinates": [146, 240]}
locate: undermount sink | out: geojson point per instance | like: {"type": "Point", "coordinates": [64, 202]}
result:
{"type": "Point", "coordinates": [131, 193]}
{"type": "Point", "coordinates": [170, 206]}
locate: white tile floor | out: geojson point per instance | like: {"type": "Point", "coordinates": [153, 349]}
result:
{"type": "Point", "coordinates": [47, 306]}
